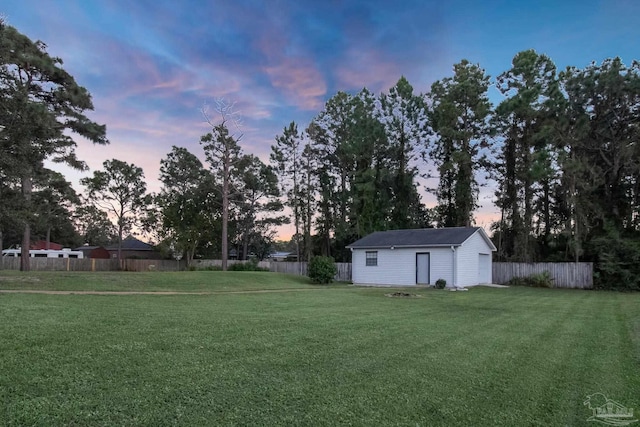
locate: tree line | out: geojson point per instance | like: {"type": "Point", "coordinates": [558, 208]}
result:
{"type": "Point", "coordinates": [560, 149]}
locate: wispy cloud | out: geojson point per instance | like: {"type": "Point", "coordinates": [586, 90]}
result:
{"type": "Point", "coordinates": [301, 82]}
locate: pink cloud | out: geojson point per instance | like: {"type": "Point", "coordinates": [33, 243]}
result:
{"type": "Point", "coordinates": [300, 80]}
{"type": "Point", "coordinates": [367, 67]}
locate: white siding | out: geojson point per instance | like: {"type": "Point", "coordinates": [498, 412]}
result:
{"type": "Point", "coordinates": [398, 266]}
{"type": "Point", "coordinates": [468, 264]}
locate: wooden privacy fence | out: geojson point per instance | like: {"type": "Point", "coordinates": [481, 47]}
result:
{"type": "Point", "coordinates": [564, 274]}
{"type": "Point", "coordinates": [86, 264]}
{"type": "Point", "coordinates": [300, 268]}
{"type": "Point", "coordinates": [89, 264]}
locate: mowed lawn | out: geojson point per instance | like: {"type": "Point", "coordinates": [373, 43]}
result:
{"type": "Point", "coordinates": [325, 356]}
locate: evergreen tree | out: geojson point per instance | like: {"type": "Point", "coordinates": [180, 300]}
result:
{"type": "Point", "coordinates": [404, 118]}
{"type": "Point", "coordinates": [459, 116]}
{"type": "Point", "coordinates": [286, 159]}
{"type": "Point", "coordinates": [43, 106]}
{"type": "Point", "coordinates": [522, 120]}
{"type": "Point", "coordinates": [223, 152]}
{"type": "Point", "coordinates": [257, 203]}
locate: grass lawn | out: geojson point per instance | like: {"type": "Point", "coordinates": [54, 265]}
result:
{"type": "Point", "coordinates": [340, 356]}
{"type": "Point", "coordinates": [187, 281]}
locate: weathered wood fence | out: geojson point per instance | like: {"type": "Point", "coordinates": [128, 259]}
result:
{"type": "Point", "coordinates": [300, 268]}
{"type": "Point", "coordinates": [564, 274]}
{"type": "Point", "coordinates": [86, 264]}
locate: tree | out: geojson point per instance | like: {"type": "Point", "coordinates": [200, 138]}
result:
{"type": "Point", "coordinates": [524, 120]}
{"type": "Point", "coordinates": [119, 190]}
{"type": "Point", "coordinates": [601, 171]}
{"type": "Point", "coordinates": [54, 199]}
{"type": "Point", "coordinates": [223, 153]}
{"type": "Point", "coordinates": [44, 105]}
{"type": "Point", "coordinates": [353, 172]}
{"type": "Point", "coordinates": [286, 157]}
{"type": "Point", "coordinates": [604, 103]}
{"type": "Point", "coordinates": [404, 118]}
{"type": "Point", "coordinates": [458, 116]}
{"type": "Point", "coordinates": [256, 200]}
{"type": "Point", "coordinates": [186, 202]}
{"type": "Point", "coordinates": [93, 225]}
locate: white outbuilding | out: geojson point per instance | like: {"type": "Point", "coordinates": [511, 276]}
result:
{"type": "Point", "coordinates": [459, 255]}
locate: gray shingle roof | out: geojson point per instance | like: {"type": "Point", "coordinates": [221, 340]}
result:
{"type": "Point", "coordinates": [452, 236]}
{"type": "Point", "coordinates": [131, 244]}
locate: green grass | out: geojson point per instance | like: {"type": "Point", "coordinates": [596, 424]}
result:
{"type": "Point", "coordinates": [193, 281]}
{"type": "Point", "coordinates": [343, 356]}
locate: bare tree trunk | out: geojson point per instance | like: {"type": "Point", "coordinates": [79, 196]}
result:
{"type": "Point", "coordinates": [245, 249]}
{"type": "Point", "coordinates": [48, 240]}
{"type": "Point", "coordinates": [225, 207]}
{"type": "Point", "coordinates": [120, 244]}
{"type": "Point", "coordinates": [27, 187]}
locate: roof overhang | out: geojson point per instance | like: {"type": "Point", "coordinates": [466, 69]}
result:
{"type": "Point", "coordinates": [447, 245]}
{"type": "Point", "coordinates": [480, 230]}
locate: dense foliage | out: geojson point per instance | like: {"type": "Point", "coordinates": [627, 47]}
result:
{"type": "Point", "coordinates": [322, 269]}
{"type": "Point", "coordinates": [560, 148]}
{"type": "Point", "coordinates": [41, 106]}
{"type": "Point", "coordinates": [541, 280]}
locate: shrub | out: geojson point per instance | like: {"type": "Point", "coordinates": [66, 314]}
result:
{"type": "Point", "coordinates": [441, 284]}
{"type": "Point", "coordinates": [541, 280]}
{"type": "Point", "coordinates": [322, 269]}
{"type": "Point", "coordinates": [251, 265]}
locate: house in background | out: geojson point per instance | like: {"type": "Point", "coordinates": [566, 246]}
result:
{"type": "Point", "coordinates": [95, 252]}
{"type": "Point", "coordinates": [43, 245]}
{"type": "Point", "coordinates": [133, 248]}
{"type": "Point", "coordinates": [282, 256]}
{"type": "Point", "coordinates": [459, 255]}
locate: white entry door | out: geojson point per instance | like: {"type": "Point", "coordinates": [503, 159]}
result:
{"type": "Point", "coordinates": [484, 268]}
{"type": "Point", "coordinates": [422, 269]}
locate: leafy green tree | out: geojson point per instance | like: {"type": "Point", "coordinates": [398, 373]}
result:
{"type": "Point", "coordinates": [93, 225]}
{"type": "Point", "coordinates": [43, 107]}
{"type": "Point", "coordinates": [120, 190]}
{"type": "Point", "coordinates": [459, 118]}
{"type": "Point", "coordinates": [187, 202]}
{"type": "Point", "coordinates": [604, 103]}
{"type": "Point", "coordinates": [54, 199]}
{"type": "Point", "coordinates": [601, 168]}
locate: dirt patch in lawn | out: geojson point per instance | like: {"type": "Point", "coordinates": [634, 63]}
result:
{"type": "Point", "coordinates": [402, 295]}
{"type": "Point", "coordinates": [52, 292]}
{"type": "Point", "coordinates": [19, 279]}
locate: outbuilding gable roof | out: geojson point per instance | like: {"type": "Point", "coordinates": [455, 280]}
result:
{"type": "Point", "coordinates": [424, 237]}
{"type": "Point", "coordinates": [132, 244]}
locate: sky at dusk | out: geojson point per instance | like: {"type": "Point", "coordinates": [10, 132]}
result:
{"type": "Point", "coordinates": [152, 65]}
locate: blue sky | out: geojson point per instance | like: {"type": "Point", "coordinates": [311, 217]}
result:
{"type": "Point", "coordinates": [152, 65]}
